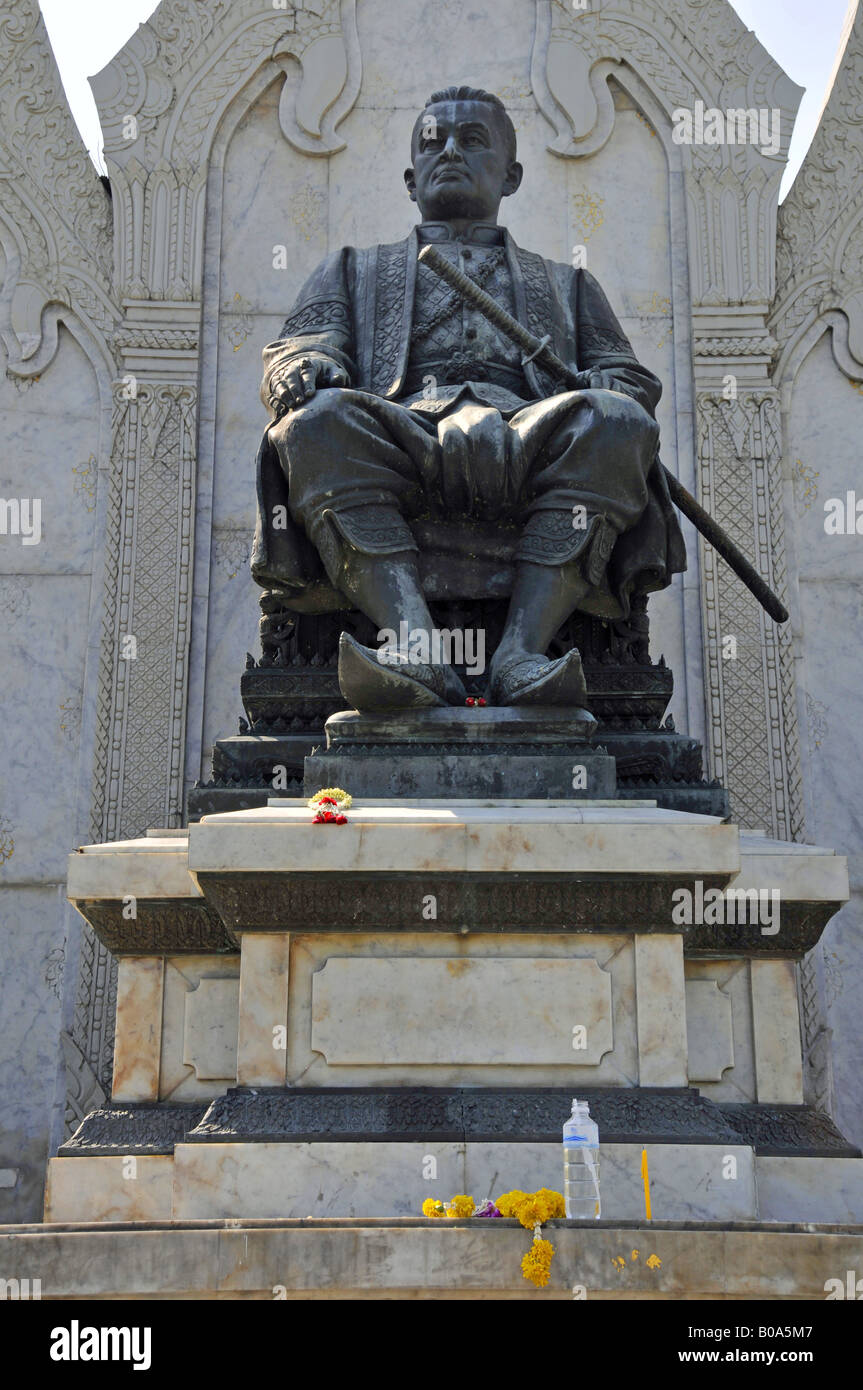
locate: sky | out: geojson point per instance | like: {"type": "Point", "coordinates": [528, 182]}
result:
{"type": "Point", "coordinates": [801, 35]}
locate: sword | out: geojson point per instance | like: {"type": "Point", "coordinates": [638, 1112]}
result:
{"type": "Point", "coordinates": [538, 350]}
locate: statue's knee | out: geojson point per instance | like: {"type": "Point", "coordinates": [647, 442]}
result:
{"type": "Point", "coordinates": [617, 406]}
{"type": "Point", "coordinates": [639, 419]}
{"type": "Point", "coordinates": [296, 423]}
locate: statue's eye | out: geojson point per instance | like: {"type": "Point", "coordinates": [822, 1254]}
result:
{"type": "Point", "coordinates": [431, 143]}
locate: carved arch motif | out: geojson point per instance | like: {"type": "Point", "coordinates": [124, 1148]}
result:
{"type": "Point", "coordinates": [54, 214]}
{"type": "Point", "coordinates": [683, 51]}
{"type": "Point", "coordinates": [161, 101]}
{"type": "Point", "coordinates": [820, 231]}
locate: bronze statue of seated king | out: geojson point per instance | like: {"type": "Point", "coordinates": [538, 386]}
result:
{"type": "Point", "coordinates": [417, 453]}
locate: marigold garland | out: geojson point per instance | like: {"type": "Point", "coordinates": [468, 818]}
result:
{"type": "Point", "coordinates": [507, 1204]}
{"type": "Point", "coordinates": [530, 1209]}
{"type": "Point", "coordinates": [461, 1206]}
{"type": "Point", "coordinates": [536, 1265]}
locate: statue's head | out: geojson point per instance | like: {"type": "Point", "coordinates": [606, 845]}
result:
{"type": "Point", "coordinates": [464, 156]}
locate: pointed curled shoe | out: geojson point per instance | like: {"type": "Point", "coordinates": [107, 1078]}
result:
{"type": "Point", "coordinates": [534, 680]}
{"type": "Point", "coordinates": [371, 685]}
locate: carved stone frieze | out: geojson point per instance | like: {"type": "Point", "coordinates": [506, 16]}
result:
{"type": "Point", "coordinates": [140, 735]}
{"type": "Point", "coordinates": [480, 902]}
{"type": "Point", "coordinates": [131, 1129]}
{"type": "Point", "coordinates": [161, 927]}
{"type": "Point", "coordinates": [142, 675]}
{"type": "Point", "coordinates": [756, 754]}
{"type": "Point", "coordinates": [475, 1116]}
{"type": "Point", "coordinates": [816, 1036]}
{"type": "Point", "coordinates": [792, 1130]}
{"type": "Point", "coordinates": [758, 345]}
{"type": "Point", "coordinates": [84, 1092]}
{"type": "Point", "coordinates": [497, 903]}
{"type": "Point", "coordinates": [625, 1115]}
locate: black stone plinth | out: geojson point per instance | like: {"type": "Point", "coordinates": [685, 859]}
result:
{"type": "Point", "coordinates": [249, 768]}
{"type": "Point", "coordinates": [540, 754]}
{"type": "Point", "coordinates": [527, 773]}
{"type": "Point", "coordinates": [480, 728]}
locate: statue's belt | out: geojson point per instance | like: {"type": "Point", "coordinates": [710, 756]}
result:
{"type": "Point", "coordinates": [458, 368]}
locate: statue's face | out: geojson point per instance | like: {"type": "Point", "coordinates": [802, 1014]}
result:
{"type": "Point", "coordinates": [462, 163]}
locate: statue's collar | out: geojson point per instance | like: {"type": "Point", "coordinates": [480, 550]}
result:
{"type": "Point", "coordinates": [480, 234]}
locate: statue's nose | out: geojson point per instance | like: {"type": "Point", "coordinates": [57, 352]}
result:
{"type": "Point", "coordinates": [451, 149]}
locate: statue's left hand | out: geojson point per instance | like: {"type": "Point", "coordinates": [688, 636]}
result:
{"type": "Point", "coordinates": [301, 377]}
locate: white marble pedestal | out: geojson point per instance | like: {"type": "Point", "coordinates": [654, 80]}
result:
{"type": "Point", "coordinates": [399, 973]}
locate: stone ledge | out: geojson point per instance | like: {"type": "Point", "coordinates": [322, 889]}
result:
{"type": "Point", "coordinates": [374, 1114]}
{"type": "Point", "coordinates": [469, 837]}
{"type": "Point", "coordinates": [354, 1178]}
{"type": "Point", "coordinates": [411, 1259]}
{"type": "Point", "coordinates": [492, 865]}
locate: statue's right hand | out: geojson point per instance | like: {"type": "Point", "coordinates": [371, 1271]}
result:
{"type": "Point", "coordinates": [302, 377]}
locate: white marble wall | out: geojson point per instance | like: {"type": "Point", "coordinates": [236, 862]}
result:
{"type": "Point", "coordinates": [50, 428]}
{"type": "Point", "coordinates": [825, 423]}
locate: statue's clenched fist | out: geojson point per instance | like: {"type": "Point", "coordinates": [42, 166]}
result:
{"type": "Point", "coordinates": [301, 379]}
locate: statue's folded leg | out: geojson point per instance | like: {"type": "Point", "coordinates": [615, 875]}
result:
{"type": "Point", "coordinates": [354, 464]}
{"type": "Point", "coordinates": [586, 458]}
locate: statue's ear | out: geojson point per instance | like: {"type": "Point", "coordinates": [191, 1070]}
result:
{"type": "Point", "coordinates": [514, 176]}
{"type": "Point", "coordinates": [411, 184]}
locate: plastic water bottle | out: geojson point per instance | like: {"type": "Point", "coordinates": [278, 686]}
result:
{"type": "Point", "coordinates": [581, 1164]}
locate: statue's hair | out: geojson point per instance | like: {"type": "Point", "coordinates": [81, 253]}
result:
{"type": "Point", "coordinates": [475, 94]}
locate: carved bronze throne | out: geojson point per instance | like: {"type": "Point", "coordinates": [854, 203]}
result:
{"type": "Point", "coordinates": [290, 692]}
